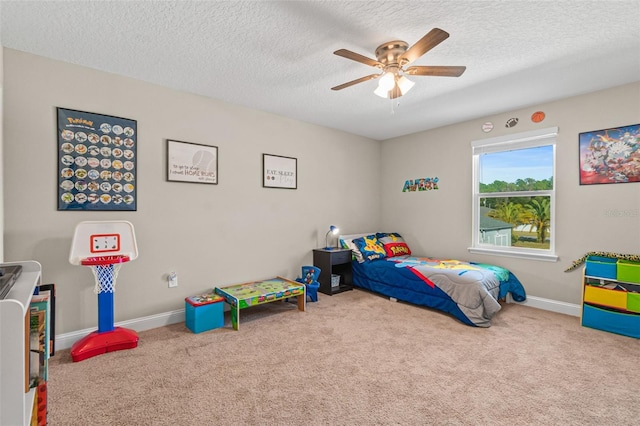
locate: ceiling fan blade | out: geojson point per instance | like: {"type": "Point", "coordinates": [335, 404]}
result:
{"type": "Point", "coordinates": [443, 71]}
{"type": "Point", "coordinates": [358, 58]}
{"type": "Point", "coordinates": [425, 44]}
{"type": "Point", "coordinates": [360, 80]}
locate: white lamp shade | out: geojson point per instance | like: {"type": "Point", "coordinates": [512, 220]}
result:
{"type": "Point", "coordinates": [387, 81]}
{"type": "Point", "coordinates": [381, 92]}
{"type": "Point", "coordinates": [405, 84]}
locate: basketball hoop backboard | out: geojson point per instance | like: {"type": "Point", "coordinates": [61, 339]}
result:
{"type": "Point", "coordinates": [103, 238]}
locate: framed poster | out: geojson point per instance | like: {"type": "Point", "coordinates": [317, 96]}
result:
{"type": "Point", "coordinates": [610, 155]}
{"type": "Point", "coordinates": [192, 162]}
{"type": "Point", "coordinates": [279, 172]}
{"type": "Point", "coordinates": [96, 161]}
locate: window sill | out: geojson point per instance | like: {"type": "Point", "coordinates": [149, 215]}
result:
{"type": "Point", "coordinates": [520, 255]}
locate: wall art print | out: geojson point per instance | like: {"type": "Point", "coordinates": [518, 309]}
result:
{"type": "Point", "coordinates": [192, 162]}
{"type": "Point", "coordinates": [96, 161]}
{"type": "Point", "coordinates": [610, 155]}
{"type": "Point", "coordinates": [279, 172]}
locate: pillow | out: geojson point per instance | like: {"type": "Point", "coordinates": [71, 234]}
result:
{"type": "Point", "coordinates": [370, 248]}
{"type": "Point", "coordinates": [394, 244]}
{"type": "Point", "coordinates": [346, 241]}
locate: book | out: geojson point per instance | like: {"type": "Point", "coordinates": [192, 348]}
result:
{"type": "Point", "coordinates": [34, 415]}
{"type": "Point", "coordinates": [41, 403]}
{"type": "Point", "coordinates": [37, 345]}
{"type": "Point", "coordinates": [51, 289]}
{"type": "Point", "coordinates": [39, 337]}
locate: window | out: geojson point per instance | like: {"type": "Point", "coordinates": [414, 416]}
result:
{"type": "Point", "coordinates": [514, 195]}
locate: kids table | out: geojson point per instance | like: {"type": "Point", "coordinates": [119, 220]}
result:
{"type": "Point", "coordinates": [241, 296]}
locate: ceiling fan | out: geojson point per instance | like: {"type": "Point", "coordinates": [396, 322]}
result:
{"type": "Point", "coordinates": [392, 57]}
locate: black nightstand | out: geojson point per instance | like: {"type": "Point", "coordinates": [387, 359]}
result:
{"type": "Point", "coordinates": [337, 262]}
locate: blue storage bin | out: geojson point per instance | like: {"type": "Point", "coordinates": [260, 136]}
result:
{"type": "Point", "coordinates": [603, 267]}
{"type": "Point", "coordinates": [204, 312]}
{"type": "Point", "coordinates": [614, 322]}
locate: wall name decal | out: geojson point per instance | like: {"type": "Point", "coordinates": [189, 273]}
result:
{"type": "Point", "coordinates": [422, 184]}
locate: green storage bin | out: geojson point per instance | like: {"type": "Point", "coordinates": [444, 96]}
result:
{"type": "Point", "coordinates": [628, 271]}
{"type": "Point", "coordinates": [633, 302]}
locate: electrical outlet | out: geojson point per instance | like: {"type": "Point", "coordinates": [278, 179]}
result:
{"type": "Point", "coordinates": [173, 279]}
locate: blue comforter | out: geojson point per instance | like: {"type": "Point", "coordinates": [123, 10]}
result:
{"type": "Point", "coordinates": [469, 291]}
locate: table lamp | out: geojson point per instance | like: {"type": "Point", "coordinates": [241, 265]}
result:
{"type": "Point", "coordinates": [332, 230]}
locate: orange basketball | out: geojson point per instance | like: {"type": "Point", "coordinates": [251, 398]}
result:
{"type": "Point", "coordinates": [537, 116]}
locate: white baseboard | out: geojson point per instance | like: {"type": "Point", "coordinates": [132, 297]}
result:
{"type": "Point", "coordinates": [66, 340]}
{"type": "Point", "coordinates": [550, 305]}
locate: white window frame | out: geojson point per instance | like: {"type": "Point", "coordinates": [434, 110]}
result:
{"type": "Point", "coordinates": [532, 139]}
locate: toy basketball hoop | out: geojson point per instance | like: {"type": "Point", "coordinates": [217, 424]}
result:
{"type": "Point", "coordinates": [104, 246]}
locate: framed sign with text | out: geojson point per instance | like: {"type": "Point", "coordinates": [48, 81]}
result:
{"type": "Point", "coordinates": [192, 162]}
{"type": "Point", "coordinates": [96, 161]}
{"type": "Point", "coordinates": [279, 172]}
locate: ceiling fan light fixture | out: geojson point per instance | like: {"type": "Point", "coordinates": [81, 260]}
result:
{"type": "Point", "coordinates": [381, 92]}
{"type": "Point", "coordinates": [405, 84]}
{"type": "Point", "coordinates": [387, 81]}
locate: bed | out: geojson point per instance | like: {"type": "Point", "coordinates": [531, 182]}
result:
{"type": "Point", "coordinates": [383, 263]}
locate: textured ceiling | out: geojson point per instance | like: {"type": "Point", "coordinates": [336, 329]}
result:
{"type": "Point", "coordinates": [278, 56]}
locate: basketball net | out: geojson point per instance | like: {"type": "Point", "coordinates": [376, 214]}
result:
{"type": "Point", "coordinates": [105, 270]}
{"type": "Point", "coordinates": [106, 276]}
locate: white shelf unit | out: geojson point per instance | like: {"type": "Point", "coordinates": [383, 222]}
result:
{"type": "Point", "coordinates": [16, 399]}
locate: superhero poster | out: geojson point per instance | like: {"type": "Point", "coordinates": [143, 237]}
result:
{"type": "Point", "coordinates": [610, 155]}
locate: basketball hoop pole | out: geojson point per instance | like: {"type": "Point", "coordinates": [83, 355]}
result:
{"type": "Point", "coordinates": [105, 312]}
{"type": "Point", "coordinates": [105, 305]}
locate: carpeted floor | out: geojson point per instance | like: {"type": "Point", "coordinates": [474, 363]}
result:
{"type": "Point", "coordinates": [357, 358]}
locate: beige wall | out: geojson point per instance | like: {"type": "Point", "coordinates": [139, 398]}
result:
{"type": "Point", "coordinates": [211, 235]}
{"type": "Point", "coordinates": [1, 154]}
{"type": "Point", "coordinates": [588, 218]}
{"type": "Point", "coordinates": [238, 231]}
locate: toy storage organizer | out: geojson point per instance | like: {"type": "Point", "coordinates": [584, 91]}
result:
{"type": "Point", "coordinates": [204, 312]}
{"type": "Point", "coordinates": [611, 296]}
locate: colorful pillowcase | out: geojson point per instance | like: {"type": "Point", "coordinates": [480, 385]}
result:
{"type": "Point", "coordinates": [370, 248]}
{"type": "Point", "coordinates": [393, 244]}
{"type": "Point", "coordinates": [346, 241]}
